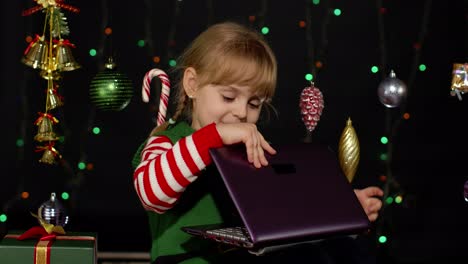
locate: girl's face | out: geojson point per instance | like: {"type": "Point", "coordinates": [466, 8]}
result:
{"type": "Point", "coordinates": [225, 104]}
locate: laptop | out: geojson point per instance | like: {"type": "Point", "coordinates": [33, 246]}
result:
{"type": "Point", "coordinates": [302, 196]}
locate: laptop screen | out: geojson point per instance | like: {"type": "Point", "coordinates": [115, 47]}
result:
{"type": "Point", "coordinates": [302, 193]}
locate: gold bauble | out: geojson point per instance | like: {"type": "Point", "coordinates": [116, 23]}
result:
{"type": "Point", "coordinates": [348, 151]}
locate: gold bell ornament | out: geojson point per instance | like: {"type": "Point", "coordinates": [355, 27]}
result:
{"type": "Point", "coordinates": [50, 154]}
{"type": "Point", "coordinates": [348, 151]}
{"type": "Point", "coordinates": [45, 132]}
{"type": "Point", "coordinates": [36, 54]}
{"type": "Point", "coordinates": [64, 57]}
{"type": "Point", "coordinates": [53, 99]}
{"type": "Point", "coordinates": [459, 84]}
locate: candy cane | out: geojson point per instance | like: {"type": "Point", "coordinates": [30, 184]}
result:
{"type": "Point", "coordinates": [164, 98]}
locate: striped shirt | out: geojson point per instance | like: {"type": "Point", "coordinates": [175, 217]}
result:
{"type": "Point", "coordinates": [166, 169]}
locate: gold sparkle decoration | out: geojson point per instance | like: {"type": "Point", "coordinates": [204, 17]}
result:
{"type": "Point", "coordinates": [348, 151]}
{"type": "Point", "coordinates": [459, 84]}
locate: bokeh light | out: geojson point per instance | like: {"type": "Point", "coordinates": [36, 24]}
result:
{"type": "Point", "coordinates": [3, 218]}
{"type": "Point", "coordinates": [108, 31]}
{"type": "Point", "coordinates": [65, 196]}
{"type": "Point", "coordinates": [92, 52]}
{"type": "Point", "coordinates": [24, 195]}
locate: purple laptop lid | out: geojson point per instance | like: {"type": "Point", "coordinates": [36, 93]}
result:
{"type": "Point", "coordinates": [302, 194]}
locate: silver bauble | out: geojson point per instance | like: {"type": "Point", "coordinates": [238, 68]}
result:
{"type": "Point", "coordinates": [53, 212]}
{"type": "Point", "coordinates": [465, 191]}
{"type": "Point", "coordinates": [392, 91]}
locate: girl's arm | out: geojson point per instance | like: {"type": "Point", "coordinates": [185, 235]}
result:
{"type": "Point", "coordinates": [166, 170]}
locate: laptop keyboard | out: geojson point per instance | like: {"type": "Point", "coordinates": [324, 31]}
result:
{"type": "Point", "coordinates": [233, 235]}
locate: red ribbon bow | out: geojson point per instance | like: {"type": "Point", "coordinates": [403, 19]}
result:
{"type": "Point", "coordinates": [32, 43]}
{"type": "Point", "coordinates": [45, 115]}
{"type": "Point", "coordinates": [37, 232]}
{"type": "Point", "coordinates": [65, 42]}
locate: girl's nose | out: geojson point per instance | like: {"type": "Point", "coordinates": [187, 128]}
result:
{"type": "Point", "coordinates": [240, 111]}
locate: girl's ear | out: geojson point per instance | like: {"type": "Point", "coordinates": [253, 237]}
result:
{"type": "Point", "coordinates": [190, 81]}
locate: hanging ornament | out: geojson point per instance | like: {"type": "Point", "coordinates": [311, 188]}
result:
{"type": "Point", "coordinates": [465, 191]}
{"type": "Point", "coordinates": [164, 95]}
{"type": "Point", "coordinates": [53, 99]}
{"type": "Point", "coordinates": [36, 54]}
{"type": "Point", "coordinates": [53, 212]}
{"type": "Point", "coordinates": [348, 151]}
{"type": "Point", "coordinates": [111, 90]}
{"type": "Point", "coordinates": [392, 91]}
{"type": "Point", "coordinates": [64, 58]}
{"type": "Point", "coordinates": [50, 154]}
{"type": "Point", "coordinates": [45, 132]}
{"type": "Point", "coordinates": [459, 80]}
{"type": "Point", "coordinates": [311, 105]}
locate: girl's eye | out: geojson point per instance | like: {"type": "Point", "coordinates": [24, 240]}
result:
{"type": "Point", "coordinates": [228, 99]}
{"type": "Point", "coordinates": [254, 105]}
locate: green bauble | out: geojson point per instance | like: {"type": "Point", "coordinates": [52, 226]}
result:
{"type": "Point", "coordinates": [111, 90]}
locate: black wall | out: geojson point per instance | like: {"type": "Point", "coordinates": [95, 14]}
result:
{"type": "Point", "coordinates": [430, 148]}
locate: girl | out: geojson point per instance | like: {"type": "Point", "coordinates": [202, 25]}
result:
{"type": "Point", "coordinates": [228, 74]}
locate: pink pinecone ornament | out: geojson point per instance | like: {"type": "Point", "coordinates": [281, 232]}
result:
{"type": "Point", "coordinates": [311, 105]}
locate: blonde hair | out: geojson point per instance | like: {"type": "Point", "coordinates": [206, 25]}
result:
{"type": "Point", "coordinates": [227, 53]}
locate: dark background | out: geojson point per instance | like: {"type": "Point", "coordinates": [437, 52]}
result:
{"type": "Point", "coordinates": [429, 150]}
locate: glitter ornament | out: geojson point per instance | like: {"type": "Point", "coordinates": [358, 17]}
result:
{"type": "Point", "coordinates": [311, 105]}
{"type": "Point", "coordinates": [348, 151]}
{"type": "Point", "coordinates": [111, 90]}
{"type": "Point", "coordinates": [459, 84]}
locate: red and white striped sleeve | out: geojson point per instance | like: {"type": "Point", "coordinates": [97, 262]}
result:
{"type": "Point", "coordinates": [166, 170]}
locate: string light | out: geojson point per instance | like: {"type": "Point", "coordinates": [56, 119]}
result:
{"type": "Point", "coordinates": [172, 63]}
{"type": "Point", "coordinates": [265, 30]}
{"type": "Point", "coordinates": [398, 199]}
{"type": "Point", "coordinates": [108, 31]}
{"type": "Point", "coordinates": [383, 156]}
{"type": "Point", "coordinates": [406, 116]}
{"type": "Point", "coordinates": [389, 200]}
{"type": "Point", "coordinates": [374, 69]}
{"type": "Point", "coordinates": [24, 195]}
{"type": "Point", "coordinates": [384, 140]}
{"type": "Point", "coordinates": [382, 239]}
{"type": "Point", "coordinates": [141, 43]}
{"type": "Point", "coordinates": [309, 77]}
{"type": "Point", "coordinates": [302, 24]}
{"type": "Point", "coordinates": [3, 218]}
{"type": "Point", "coordinates": [383, 178]}
{"type": "Point", "coordinates": [92, 52]}
{"type": "Point", "coordinates": [337, 12]}
{"type": "Point", "coordinates": [19, 142]}
{"type": "Point", "coordinates": [65, 196]}
{"type": "Point", "coordinates": [81, 165]}
{"type": "Point", "coordinates": [422, 67]}
{"type": "Point", "coordinates": [90, 166]}
{"type": "Point", "coordinates": [96, 130]}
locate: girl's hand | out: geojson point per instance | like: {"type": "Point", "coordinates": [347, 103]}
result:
{"type": "Point", "coordinates": [248, 134]}
{"type": "Point", "coordinates": [370, 200]}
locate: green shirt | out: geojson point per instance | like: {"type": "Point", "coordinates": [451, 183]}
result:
{"type": "Point", "coordinates": [196, 206]}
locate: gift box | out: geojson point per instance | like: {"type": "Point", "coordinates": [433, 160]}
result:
{"type": "Point", "coordinates": [71, 248]}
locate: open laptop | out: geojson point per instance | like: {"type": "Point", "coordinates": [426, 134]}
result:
{"type": "Point", "coordinates": [302, 196]}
